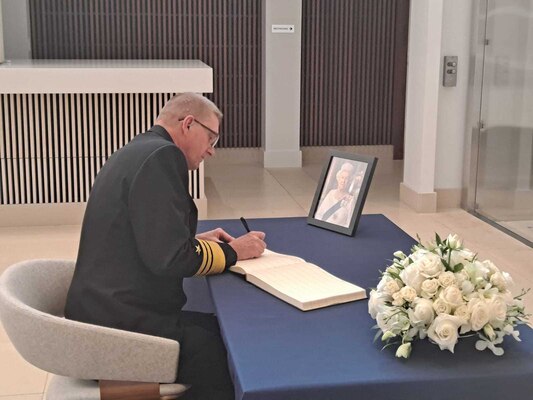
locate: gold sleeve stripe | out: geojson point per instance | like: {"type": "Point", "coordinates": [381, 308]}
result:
{"type": "Point", "coordinates": [214, 260]}
{"type": "Point", "coordinates": [219, 259]}
{"type": "Point", "coordinates": [209, 252]}
{"type": "Point", "coordinates": [205, 259]}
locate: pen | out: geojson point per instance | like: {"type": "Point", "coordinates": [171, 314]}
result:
{"type": "Point", "coordinates": [245, 224]}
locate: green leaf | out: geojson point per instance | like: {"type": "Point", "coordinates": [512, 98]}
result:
{"type": "Point", "coordinates": [394, 275]}
{"type": "Point", "coordinates": [390, 344]}
{"type": "Point", "coordinates": [458, 267]}
{"type": "Point", "coordinates": [438, 239]}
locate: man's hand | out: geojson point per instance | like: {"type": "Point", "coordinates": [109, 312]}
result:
{"type": "Point", "coordinates": [251, 245]}
{"type": "Point", "coordinates": [216, 235]}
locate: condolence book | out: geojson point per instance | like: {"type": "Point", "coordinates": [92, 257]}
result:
{"type": "Point", "coordinates": [299, 283]}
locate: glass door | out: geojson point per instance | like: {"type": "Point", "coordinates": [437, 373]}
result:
{"type": "Point", "coordinates": [504, 184]}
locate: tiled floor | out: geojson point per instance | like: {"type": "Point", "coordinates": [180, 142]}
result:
{"type": "Point", "coordinates": [251, 191]}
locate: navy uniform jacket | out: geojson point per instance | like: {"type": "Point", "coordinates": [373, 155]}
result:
{"type": "Point", "coordinates": [137, 241]}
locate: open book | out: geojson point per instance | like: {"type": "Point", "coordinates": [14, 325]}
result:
{"type": "Point", "coordinates": [292, 279]}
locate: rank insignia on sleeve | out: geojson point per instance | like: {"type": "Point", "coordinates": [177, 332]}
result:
{"type": "Point", "coordinates": [198, 249]}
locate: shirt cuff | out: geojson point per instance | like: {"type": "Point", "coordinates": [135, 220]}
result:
{"type": "Point", "coordinates": [231, 255]}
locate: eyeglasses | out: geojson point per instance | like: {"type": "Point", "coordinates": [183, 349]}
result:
{"type": "Point", "coordinates": [213, 136]}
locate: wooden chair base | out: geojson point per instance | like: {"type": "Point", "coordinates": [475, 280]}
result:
{"type": "Point", "coordinates": [120, 390]}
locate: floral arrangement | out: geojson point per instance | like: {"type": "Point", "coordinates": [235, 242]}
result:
{"type": "Point", "coordinates": [442, 291]}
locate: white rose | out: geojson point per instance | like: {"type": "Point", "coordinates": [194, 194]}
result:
{"type": "Point", "coordinates": [385, 286]}
{"type": "Point", "coordinates": [418, 254]}
{"type": "Point", "coordinates": [397, 299]}
{"type": "Point", "coordinates": [376, 302]}
{"type": "Point", "coordinates": [446, 279]}
{"type": "Point", "coordinates": [408, 293]}
{"type": "Point", "coordinates": [411, 276]}
{"type": "Point", "coordinates": [430, 266]}
{"type": "Point", "coordinates": [443, 331]}
{"type": "Point", "coordinates": [421, 312]}
{"type": "Point", "coordinates": [441, 307]}
{"type": "Point", "coordinates": [497, 311]}
{"type": "Point", "coordinates": [479, 313]}
{"type": "Point", "coordinates": [462, 311]}
{"type": "Point", "coordinates": [497, 279]}
{"type": "Point", "coordinates": [391, 287]}
{"type": "Point", "coordinates": [429, 288]}
{"type": "Point", "coordinates": [452, 295]}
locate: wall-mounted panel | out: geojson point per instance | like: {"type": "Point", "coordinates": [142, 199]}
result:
{"type": "Point", "coordinates": [354, 57]}
{"type": "Point", "coordinates": [225, 34]}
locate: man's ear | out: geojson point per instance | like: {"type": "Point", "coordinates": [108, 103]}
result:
{"type": "Point", "coordinates": [186, 124]}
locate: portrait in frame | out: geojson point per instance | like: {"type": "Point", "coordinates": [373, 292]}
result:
{"type": "Point", "coordinates": [341, 192]}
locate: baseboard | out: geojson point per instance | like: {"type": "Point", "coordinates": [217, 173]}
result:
{"type": "Point", "coordinates": [320, 154]}
{"type": "Point", "coordinates": [282, 159]}
{"type": "Point", "coordinates": [420, 202]}
{"type": "Point", "coordinates": [41, 214]}
{"type": "Point", "coordinates": [236, 156]}
{"type": "Point", "coordinates": [57, 214]}
{"type": "Point", "coordinates": [448, 198]}
{"type": "Point", "coordinates": [310, 155]}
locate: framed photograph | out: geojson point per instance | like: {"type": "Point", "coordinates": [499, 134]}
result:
{"type": "Point", "coordinates": [341, 192]}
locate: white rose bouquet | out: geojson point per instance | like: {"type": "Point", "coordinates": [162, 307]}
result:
{"type": "Point", "coordinates": [443, 292]}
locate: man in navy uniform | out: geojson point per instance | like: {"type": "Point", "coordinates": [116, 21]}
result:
{"type": "Point", "coordinates": [139, 241]}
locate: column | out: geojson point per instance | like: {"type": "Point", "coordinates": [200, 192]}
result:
{"type": "Point", "coordinates": [422, 98]}
{"type": "Point", "coordinates": [281, 84]}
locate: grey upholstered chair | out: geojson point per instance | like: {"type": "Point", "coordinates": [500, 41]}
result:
{"type": "Point", "coordinates": [32, 301]}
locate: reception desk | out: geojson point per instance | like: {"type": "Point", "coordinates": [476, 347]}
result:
{"type": "Point", "coordinates": [61, 119]}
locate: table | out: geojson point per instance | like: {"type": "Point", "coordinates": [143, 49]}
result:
{"type": "Point", "coordinates": [277, 352]}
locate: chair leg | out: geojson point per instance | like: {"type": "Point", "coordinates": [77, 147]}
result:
{"type": "Point", "coordinates": [120, 390]}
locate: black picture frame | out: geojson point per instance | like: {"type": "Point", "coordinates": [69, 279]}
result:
{"type": "Point", "coordinates": [343, 172]}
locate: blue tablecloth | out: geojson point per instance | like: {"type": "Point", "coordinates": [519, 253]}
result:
{"type": "Point", "coordinates": [276, 351]}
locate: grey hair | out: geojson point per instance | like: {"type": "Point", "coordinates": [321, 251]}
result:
{"type": "Point", "coordinates": [183, 104]}
{"type": "Point", "coordinates": [345, 167]}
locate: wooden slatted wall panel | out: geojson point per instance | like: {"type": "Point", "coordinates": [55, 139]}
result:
{"type": "Point", "coordinates": [350, 53]}
{"type": "Point", "coordinates": [225, 34]}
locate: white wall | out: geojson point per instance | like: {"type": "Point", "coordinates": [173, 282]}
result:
{"type": "Point", "coordinates": [1, 36]}
{"type": "Point", "coordinates": [17, 36]}
{"type": "Point", "coordinates": [452, 103]}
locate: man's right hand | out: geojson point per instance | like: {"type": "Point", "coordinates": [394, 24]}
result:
{"type": "Point", "coordinates": [251, 245]}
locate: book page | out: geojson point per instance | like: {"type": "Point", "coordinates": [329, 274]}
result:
{"type": "Point", "coordinates": [268, 259]}
{"type": "Point", "coordinates": [306, 282]}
